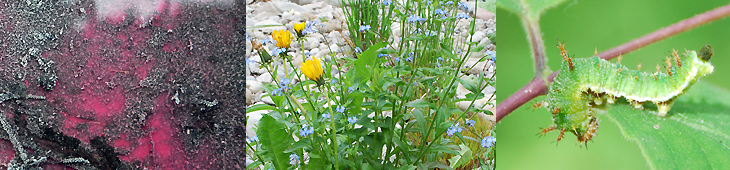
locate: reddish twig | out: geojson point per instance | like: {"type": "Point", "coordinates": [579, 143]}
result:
{"type": "Point", "coordinates": [538, 87]}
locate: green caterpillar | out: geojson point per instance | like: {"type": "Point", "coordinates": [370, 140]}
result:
{"type": "Point", "coordinates": [586, 82]}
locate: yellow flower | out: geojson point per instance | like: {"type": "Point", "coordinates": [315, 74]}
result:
{"type": "Point", "coordinates": [313, 70]}
{"type": "Point", "coordinates": [298, 27]}
{"type": "Point", "coordinates": [282, 37]}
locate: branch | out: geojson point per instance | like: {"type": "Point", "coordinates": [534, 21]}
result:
{"type": "Point", "coordinates": [538, 87]}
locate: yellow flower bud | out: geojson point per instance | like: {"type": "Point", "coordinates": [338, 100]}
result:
{"type": "Point", "coordinates": [298, 27]}
{"type": "Point", "coordinates": [313, 70]}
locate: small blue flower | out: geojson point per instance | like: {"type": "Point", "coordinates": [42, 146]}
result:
{"type": "Point", "coordinates": [449, 3]}
{"type": "Point", "coordinates": [308, 54]}
{"type": "Point", "coordinates": [387, 2]}
{"type": "Point", "coordinates": [492, 54]}
{"type": "Point", "coordinates": [250, 61]}
{"type": "Point", "coordinates": [488, 141]}
{"type": "Point", "coordinates": [326, 115]}
{"type": "Point", "coordinates": [252, 139]}
{"type": "Point", "coordinates": [440, 11]}
{"type": "Point", "coordinates": [364, 28]}
{"type": "Point", "coordinates": [438, 64]}
{"type": "Point", "coordinates": [293, 159]}
{"type": "Point", "coordinates": [409, 58]}
{"type": "Point", "coordinates": [285, 82]}
{"type": "Point", "coordinates": [351, 89]}
{"type": "Point", "coordinates": [464, 7]}
{"type": "Point", "coordinates": [334, 81]}
{"type": "Point", "coordinates": [397, 59]}
{"type": "Point", "coordinates": [440, 59]}
{"type": "Point", "coordinates": [382, 55]}
{"type": "Point", "coordinates": [470, 123]}
{"type": "Point", "coordinates": [358, 50]}
{"type": "Point", "coordinates": [341, 109]}
{"type": "Point", "coordinates": [462, 16]}
{"type": "Point", "coordinates": [415, 18]}
{"type": "Point", "coordinates": [352, 120]}
{"type": "Point", "coordinates": [277, 51]}
{"type": "Point", "coordinates": [270, 40]}
{"type": "Point", "coordinates": [454, 129]}
{"type": "Point", "coordinates": [306, 131]}
{"type": "Point", "coordinates": [275, 92]}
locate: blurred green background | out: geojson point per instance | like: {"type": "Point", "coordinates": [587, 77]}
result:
{"type": "Point", "coordinates": [583, 26]}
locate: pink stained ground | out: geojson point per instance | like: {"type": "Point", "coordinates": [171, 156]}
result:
{"type": "Point", "coordinates": [98, 92]}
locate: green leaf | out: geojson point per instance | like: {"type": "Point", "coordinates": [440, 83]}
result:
{"type": "Point", "coordinates": [528, 8]}
{"type": "Point", "coordinates": [274, 138]}
{"type": "Point", "coordinates": [260, 107]}
{"type": "Point", "coordinates": [418, 103]}
{"type": "Point", "coordinates": [297, 145]}
{"type": "Point", "coordinates": [465, 154]}
{"type": "Point", "coordinates": [316, 163]}
{"type": "Point", "coordinates": [694, 135]}
{"type": "Point", "coordinates": [366, 59]}
{"type": "Point", "coordinates": [468, 86]}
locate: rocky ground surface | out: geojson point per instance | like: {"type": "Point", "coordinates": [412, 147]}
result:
{"type": "Point", "coordinates": [131, 84]}
{"type": "Point", "coordinates": [264, 16]}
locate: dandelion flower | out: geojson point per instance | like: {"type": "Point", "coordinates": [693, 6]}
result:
{"type": "Point", "coordinates": [313, 70]}
{"type": "Point", "coordinates": [282, 37]}
{"type": "Point", "coordinates": [298, 27]}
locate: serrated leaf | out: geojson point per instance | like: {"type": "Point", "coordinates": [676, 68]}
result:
{"type": "Point", "coordinates": [694, 135]}
{"type": "Point", "coordinates": [274, 138]}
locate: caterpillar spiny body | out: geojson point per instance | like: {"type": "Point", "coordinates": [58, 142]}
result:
{"type": "Point", "coordinates": [585, 83]}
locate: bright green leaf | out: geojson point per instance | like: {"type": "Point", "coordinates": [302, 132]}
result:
{"type": "Point", "coordinates": [694, 135]}
{"type": "Point", "coordinates": [418, 103]}
{"type": "Point", "coordinates": [274, 138]}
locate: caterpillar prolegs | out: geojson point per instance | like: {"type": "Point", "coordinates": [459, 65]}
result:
{"type": "Point", "coordinates": [585, 83]}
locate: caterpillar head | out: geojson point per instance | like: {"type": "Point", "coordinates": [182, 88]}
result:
{"type": "Point", "coordinates": [702, 60]}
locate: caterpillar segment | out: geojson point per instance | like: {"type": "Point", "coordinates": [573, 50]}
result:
{"type": "Point", "coordinates": [585, 83]}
